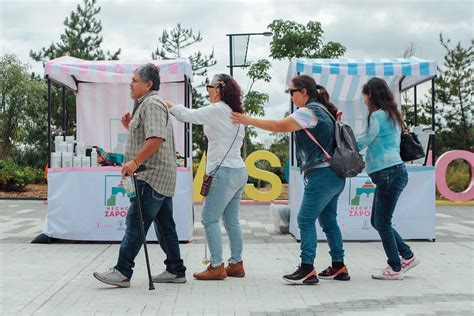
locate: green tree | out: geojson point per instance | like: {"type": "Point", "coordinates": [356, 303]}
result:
{"type": "Point", "coordinates": [291, 39]}
{"type": "Point", "coordinates": [81, 39]}
{"type": "Point", "coordinates": [408, 106]}
{"type": "Point", "coordinates": [172, 45]}
{"type": "Point", "coordinates": [454, 88]}
{"type": "Point", "coordinates": [253, 99]}
{"type": "Point", "coordinates": [23, 121]}
{"type": "Point", "coordinates": [280, 148]}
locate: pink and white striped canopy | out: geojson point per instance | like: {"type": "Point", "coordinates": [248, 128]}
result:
{"type": "Point", "coordinates": [70, 71]}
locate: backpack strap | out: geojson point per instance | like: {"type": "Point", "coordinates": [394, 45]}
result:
{"type": "Point", "coordinates": [317, 143]}
{"type": "Point", "coordinates": [339, 115]}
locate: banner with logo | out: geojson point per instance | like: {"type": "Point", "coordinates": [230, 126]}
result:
{"type": "Point", "coordinates": [414, 216]}
{"type": "Point", "coordinates": [91, 204]}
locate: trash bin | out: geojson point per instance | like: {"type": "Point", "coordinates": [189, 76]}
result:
{"type": "Point", "coordinates": [280, 218]}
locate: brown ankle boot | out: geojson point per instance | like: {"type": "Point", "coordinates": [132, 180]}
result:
{"type": "Point", "coordinates": [212, 273]}
{"type": "Point", "coordinates": [235, 269]}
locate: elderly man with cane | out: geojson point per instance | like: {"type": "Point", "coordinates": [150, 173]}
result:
{"type": "Point", "coordinates": [151, 144]}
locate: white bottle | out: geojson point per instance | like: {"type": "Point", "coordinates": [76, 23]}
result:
{"type": "Point", "coordinates": [86, 161]}
{"type": "Point", "coordinates": [93, 157]}
{"type": "Point", "coordinates": [58, 139]}
{"type": "Point", "coordinates": [55, 160]}
{"type": "Point", "coordinates": [70, 140]}
{"type": "Point", "coordinates": [76, 162]}
{"type": "Point", "coordinates": [67, 160]}
{"type": "Point", "coordinates": [62, 147]}
{"type": "Point", "coordinates": [80, 149]}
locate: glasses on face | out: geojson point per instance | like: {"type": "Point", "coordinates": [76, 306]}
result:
{"type": "Point", "coordinates": [293, 91]}
{"type": "Point", "coordinates": [209, 86]}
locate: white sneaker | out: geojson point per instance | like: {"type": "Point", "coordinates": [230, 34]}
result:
{"type": "Point", "coordinates": [112, 277]}
{"type": "Point", "coordinates": [388, 274]}
{"type": "Point", "coordinates": [407, 264]}
{"type": "Point", "coordinates": [168, 277]}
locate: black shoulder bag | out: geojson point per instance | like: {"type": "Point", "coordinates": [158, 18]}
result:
{"type": "Point", "coordinates": [410, 146]}
{"type": "Point", "coordinates": [207, 179]}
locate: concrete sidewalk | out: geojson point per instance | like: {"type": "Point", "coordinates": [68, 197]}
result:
{"type": "Point", "coordinates": [56, 279]}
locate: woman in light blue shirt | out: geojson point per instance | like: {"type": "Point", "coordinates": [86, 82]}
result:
{"type": "Point", "coordinates": [387, 170]}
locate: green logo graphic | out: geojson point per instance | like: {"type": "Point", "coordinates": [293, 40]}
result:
{"type": "Point", "coordinates": [368, 188]}
{"type": "Point", "coordinates": [115, 189]}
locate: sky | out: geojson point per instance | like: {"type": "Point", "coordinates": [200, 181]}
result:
{"type": "Point", "coordinates": [367, 28]}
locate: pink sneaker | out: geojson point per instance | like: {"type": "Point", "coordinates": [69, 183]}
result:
{"type": "Point", "coordinates": [407, 264]}
{"type": "Point", "coordinates": [388, 274]}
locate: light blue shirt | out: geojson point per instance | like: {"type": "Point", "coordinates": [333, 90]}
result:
{"type": "Point", "coordinates": [382, 139]}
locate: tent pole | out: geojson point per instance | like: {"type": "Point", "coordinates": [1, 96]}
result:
{"type": "Point", "coordinates": [49, 123]}
{"type": "Point", "coordinates": [64, 111]}
{"type": "Point", "coordinates": [186, 125]}
{"type": "Point", "coordinates": [231, 58]}
{"type": "Point", "coordinates": [292, 135]}
{"type": "Point", "coordinates": [416, 115]}
{"type": "Point", "coordinates": [433, 119]}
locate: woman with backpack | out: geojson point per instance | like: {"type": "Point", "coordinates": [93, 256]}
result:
{"type": "Point", "coordinates": [387, 170]}
{"type": "Point", "coordinates": [322, 185]}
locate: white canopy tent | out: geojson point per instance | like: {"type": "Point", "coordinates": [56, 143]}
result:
{"type": "Point", "coordinates": [103, 96]}
{"type": "Point", "coordinates": [343, 79]}
{"type": "Point", "coordinates": [91, 203]}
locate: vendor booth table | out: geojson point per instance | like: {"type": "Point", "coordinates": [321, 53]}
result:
{"type": "Point", "coordinates": [90, 203]}
{"type": "Point", "coordinates": [414, 216]}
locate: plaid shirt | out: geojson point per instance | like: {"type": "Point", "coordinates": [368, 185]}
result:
{"type": "Point", "coordinates": [151, 119]}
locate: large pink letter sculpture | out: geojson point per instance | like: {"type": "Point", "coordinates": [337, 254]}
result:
{"type": "Point", "coordinates": [441, 166]}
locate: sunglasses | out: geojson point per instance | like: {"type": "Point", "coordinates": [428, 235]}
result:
{"type": "Point", "coordinates": [293, 91]}
{"type": "Point", "coordinates": [209, 86]}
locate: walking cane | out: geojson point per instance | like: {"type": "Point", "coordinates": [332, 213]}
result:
{"type": "Point", "coordinates": [205, 260]}
{"type": "Point", "coordinates": [142, 228]}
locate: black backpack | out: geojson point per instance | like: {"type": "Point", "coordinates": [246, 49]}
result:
{"type": "Point", "coordinates": [346, 160]}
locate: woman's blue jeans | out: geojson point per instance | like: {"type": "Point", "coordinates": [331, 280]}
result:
{"type": "Point", "coordinates": [321, 192]}
{"type": "Point", "coordinates": [156, 208]}
{"type": "Point", "coordinates": [223, 200]}
{"type": "Point", "coordinates": [390, 184]}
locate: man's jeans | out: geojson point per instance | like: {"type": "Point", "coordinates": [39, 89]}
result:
{"type": "Point", "coordinates": [321, 192]}
{"type": "Point", "coordinates": [223, 201]}
{"type": "Point", "coordinates": [390, 184]}
{"type": "Point", "coordinates": [157, 208]}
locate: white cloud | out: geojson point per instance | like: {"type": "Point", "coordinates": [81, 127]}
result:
{"type": "Point", "coordinates": [367, 28]}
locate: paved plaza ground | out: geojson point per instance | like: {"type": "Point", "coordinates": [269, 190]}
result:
{"type": "Point", "coordinates": [56, 279]}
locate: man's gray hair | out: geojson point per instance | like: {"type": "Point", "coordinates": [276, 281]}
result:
{"type": "Point", "coordinates": [149, 72]}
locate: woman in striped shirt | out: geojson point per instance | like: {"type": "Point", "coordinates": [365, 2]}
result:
{"type": "Point", "coordinates": [322, 185]}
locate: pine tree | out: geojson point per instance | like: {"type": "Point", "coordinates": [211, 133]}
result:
{"type": "Point", "coordinates": [81, 39]}
{"type": "Point", "coordinates": [454, 88]}
{"type": "Point", "coordinates": [172, 45]}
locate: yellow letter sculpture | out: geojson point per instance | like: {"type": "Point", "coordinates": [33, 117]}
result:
{"type": "Point", "coordinates": [197, 183]}
{"type": "Point", "coordinates": [257, 173]}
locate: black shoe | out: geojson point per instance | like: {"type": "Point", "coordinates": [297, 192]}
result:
{"type": "Point", "coordinates": [302, 276]}
{"type": "Point", "coordinates": [332, 273]}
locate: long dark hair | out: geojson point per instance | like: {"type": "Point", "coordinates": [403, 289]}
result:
{"type": "Point", "coordinates": [230, 92]}
{"type": "Point", "coordinates": [380, 97]}
{"type": "Point", "coordinates": [316, 92]}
